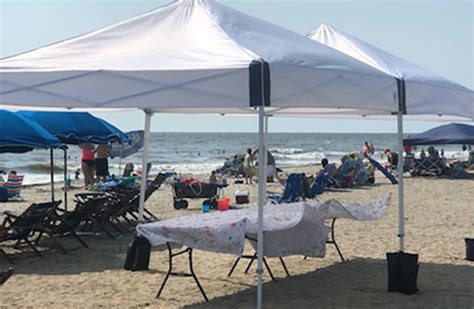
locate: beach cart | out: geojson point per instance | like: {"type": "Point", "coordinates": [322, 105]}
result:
{"type": "Point", "coordinates": [194, 189]}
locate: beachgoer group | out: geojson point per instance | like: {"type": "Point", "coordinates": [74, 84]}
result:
{"type": "Point", "coordinates": [94, 162]}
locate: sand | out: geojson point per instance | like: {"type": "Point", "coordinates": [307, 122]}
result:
{"type": "Point", "coordinates": [439, 215]}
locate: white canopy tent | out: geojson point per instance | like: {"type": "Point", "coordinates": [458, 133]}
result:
{"type": "Point", "coordinates": [423, 94]}
{"type": "Point", "coordinates": [194, 56]}
{"type": "Point", "coordinates": [426, 93]}
{"type": "Point", "coordinates": [198, 57]}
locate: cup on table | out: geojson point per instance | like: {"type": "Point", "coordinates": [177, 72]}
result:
{"type": "Point", "coordinates": [205, 208]}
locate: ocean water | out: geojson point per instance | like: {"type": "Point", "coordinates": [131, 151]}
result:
{"type": "Point", "coordinates": [198, 153]}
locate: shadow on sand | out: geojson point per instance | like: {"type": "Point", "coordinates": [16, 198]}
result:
{"type": "Point", "coordinates": [359, 283]}
{"type": "Point", "coordinates": [103, 253]}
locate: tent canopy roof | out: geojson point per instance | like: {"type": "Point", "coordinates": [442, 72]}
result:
{"type": "Point", "coordinates": [76, 127]}
{"type": "Point", "coordinates": [189, 55]}
{"type": "Point", "coordinates": [20, 134]}
{"type": "Point", "coordinates": [453, 133]}
{"type": "Point", "coordinates": [426, 92]}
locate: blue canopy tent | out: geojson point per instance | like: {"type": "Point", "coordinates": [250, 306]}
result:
{"type": "Point", "coordinates": [19, 134]}
{"type": "Point", "coordinates": [74, 128]}
{"type": "Point", "coordinates": [449, 134]}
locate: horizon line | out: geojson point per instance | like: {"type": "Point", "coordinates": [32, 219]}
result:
{"type": "Point", "coordinates": [299, 132]}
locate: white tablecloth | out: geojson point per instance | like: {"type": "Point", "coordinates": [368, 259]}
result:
{"type": "Point", "coordinates": [296, 228]}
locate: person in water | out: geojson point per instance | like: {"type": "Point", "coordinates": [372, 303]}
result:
{"type": "Point", "coordinates": [88, 163]}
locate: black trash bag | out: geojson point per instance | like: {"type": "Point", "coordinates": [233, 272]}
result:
{"type": "Point", "coordinates": [402, 272]}
{"type": "Point", "coordinates": [469, 249]}
{"type": "Point", "coordinates": [138, 255]}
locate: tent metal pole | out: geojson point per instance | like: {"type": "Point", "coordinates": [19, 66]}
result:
{"type": "Point", "coordinates": [401, 216]}
{"type": "Point", "coordinates": [261, 202]}
{"type": "Point", "coordinates": [266, 153]}
{"type": "Point", "coordinates": [146, 143]}
{"type": "Point", "coordinates": [52, 174]}
{"type": "Point", "coordinates": [65, 178]}
{"type": "Point", "coordinates": [401, 205]}
{"type": "Point", "coordinates": [120, 159]}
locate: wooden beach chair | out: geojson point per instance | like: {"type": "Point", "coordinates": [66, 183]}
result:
{"type": "Point", "coordinates": [62, 223]}
{"type": "Point", "coordinates": [21, 228]}
{"type": "Point", "coordinates": [131, 199]}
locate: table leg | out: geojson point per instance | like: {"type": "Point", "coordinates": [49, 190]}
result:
{"type": "Point", "coordinates": [170, 272]}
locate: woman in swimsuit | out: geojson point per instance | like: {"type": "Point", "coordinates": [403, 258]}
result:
{"type": "Point", "coordinates": [88, 163]}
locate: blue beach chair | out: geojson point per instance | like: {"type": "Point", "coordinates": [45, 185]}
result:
{"type": "Point", "coordinates": [294, 191]}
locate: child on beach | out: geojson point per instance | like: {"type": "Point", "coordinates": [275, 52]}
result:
{"type": "Point", "coordinates": [248, 165]}
{"type": "Point", "coordinates": [213, 178]}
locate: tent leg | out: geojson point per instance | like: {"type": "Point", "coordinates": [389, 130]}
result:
{"type": "Point", "coordinates": [401, 218]}
{"type": "Point", "coordinates": [261, 201]}
{"type": "Point", "coordinates": [52, 174]}
{"type": "Point", "coordinates": [266, 149]}
{"type": "Point", "coordinates": [146, 143]}
{"type": "Point", "coordinates": [65, 178]}
{"type": "Point", "coordinates": [120, 159]}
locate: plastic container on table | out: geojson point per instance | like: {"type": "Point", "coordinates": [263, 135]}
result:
{"type": "Point", "coordinates": [223, 204]}
{"type": "Point", "coordinates": [205, 208]}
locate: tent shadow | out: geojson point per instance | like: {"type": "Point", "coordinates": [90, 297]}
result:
{"type": "Point", "coordinates": [359, 283]}
{"type": "Point", "coordinates": [103, 254]}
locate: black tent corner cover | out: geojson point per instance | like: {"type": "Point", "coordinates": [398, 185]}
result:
{"type": "Point", "coordinates": [255, 83]}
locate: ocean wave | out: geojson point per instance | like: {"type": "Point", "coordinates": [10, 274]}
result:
{"type": "Point", "coordinates": [41, 167]}
{"type": "Point", "coordinates": [316, 155]}
{"type": "Point", "coordinates": [286, 151]}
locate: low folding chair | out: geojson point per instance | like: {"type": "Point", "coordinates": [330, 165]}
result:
{"type": "Point", "coordinates": [14, 185]}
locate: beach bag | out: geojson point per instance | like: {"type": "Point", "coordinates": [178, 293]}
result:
{"type": "Point", "coordinates": [138, 255]}
{"type": "Point", "coordinates": [3, 194]}
{"type": "Point", "coordinates": [402, 272]}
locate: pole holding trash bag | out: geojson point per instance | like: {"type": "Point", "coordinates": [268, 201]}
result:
{"type": "Point", "coordinates": [402, 267]}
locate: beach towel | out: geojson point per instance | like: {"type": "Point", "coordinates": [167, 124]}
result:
{"type": "Point", "coordinates": [14, 185]}
{"type": "Point", "coordinates": [296, 228]}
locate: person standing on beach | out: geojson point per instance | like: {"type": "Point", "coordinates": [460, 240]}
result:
{"type": "Point", "coordinates": [103, 151]}
{"type": "Point", "coordinates": [248, 165]}
{"type": "Point", "coordinates": [88, 163]}
{"type": "Point", "coordinates": [368, 149]}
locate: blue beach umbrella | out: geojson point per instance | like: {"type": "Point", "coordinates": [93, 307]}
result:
{"type": "Point", "coordinates": [74, 128]}
{"type": "Point", "coordinates": [449, 134]}
{"type": "Point", "coordinates": [19, 134]}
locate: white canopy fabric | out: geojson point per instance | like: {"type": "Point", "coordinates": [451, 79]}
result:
{"type": "Point", "coordinates": [426, 93]}
{"type": "Point", "coordinates": [192, 55]}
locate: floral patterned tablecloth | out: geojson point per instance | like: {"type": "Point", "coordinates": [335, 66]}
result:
{"type": "Point", "coordinates": [296, 228]}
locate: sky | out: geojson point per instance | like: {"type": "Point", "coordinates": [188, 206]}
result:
{"type": "Point", "coordinates": [437, 35]}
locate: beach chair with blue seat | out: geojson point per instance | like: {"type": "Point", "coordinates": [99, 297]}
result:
{"type": "Point", "coordinates": [294, 191]}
